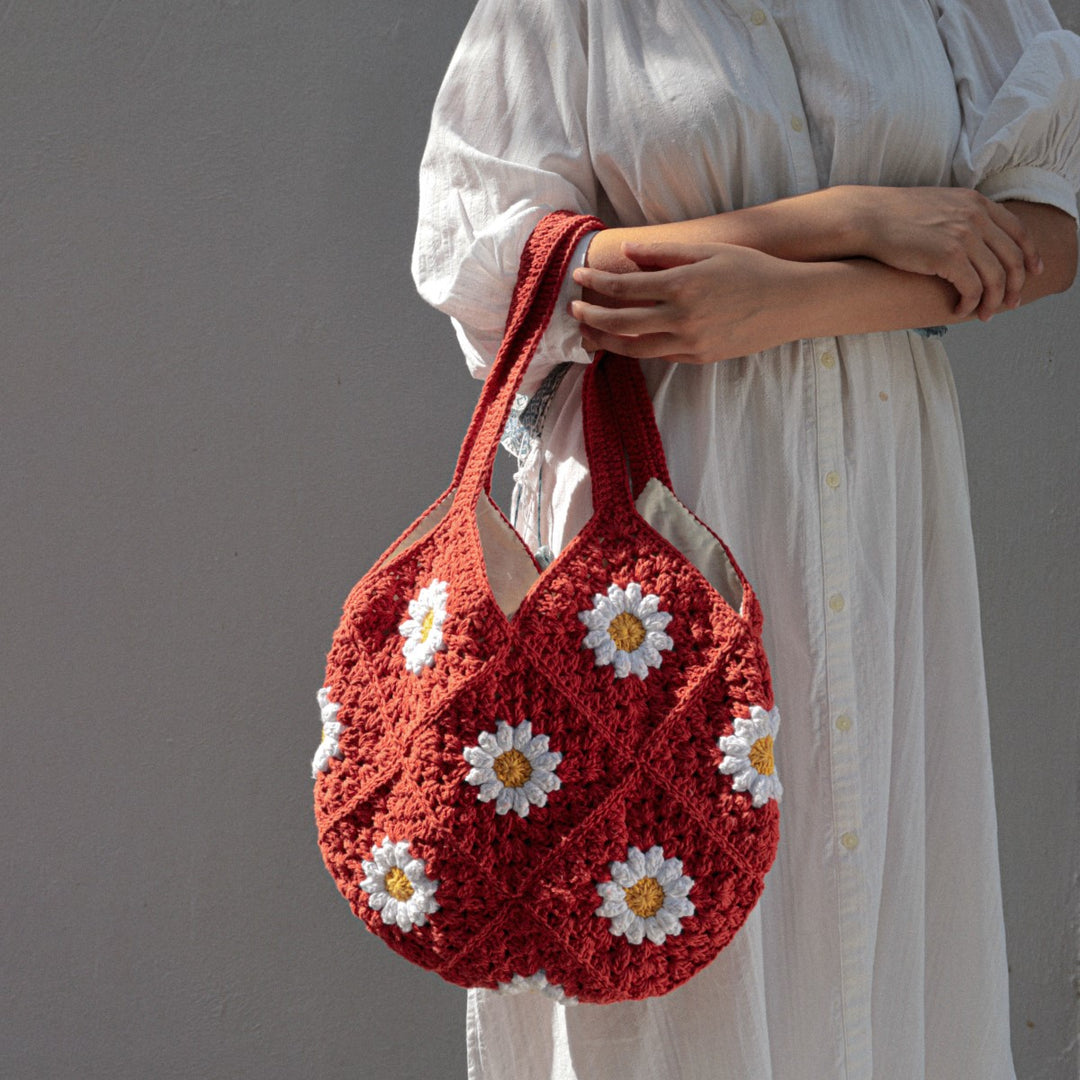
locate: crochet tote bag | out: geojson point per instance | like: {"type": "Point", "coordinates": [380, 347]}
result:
{"type": "Point", "coordinates": [557, 779]}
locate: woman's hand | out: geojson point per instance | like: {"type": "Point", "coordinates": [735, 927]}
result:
{"type": "Point", "coordinates": [690, 303]}
{"type": "Point", "coordinates": [975, 244]}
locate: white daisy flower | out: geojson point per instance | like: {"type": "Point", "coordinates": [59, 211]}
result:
{"type": "Point", "coordinates": [398, 886]}
{"type": "Point", "coordinates": [626, 629]}
{"type": "Point", "coordinates": [422, 630]}
{"type": "Point", "coordinates": [748, 755]}
{"type": "Point", "coordinates": [513, 766]}
{"type": "Point", "coordinates": [646, 897]}
{"type": "Point", "coordinates": [331, 729]}
{"type": "Point", "coordinates": [537, 981]}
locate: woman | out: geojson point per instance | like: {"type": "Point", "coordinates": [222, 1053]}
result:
{"type": "Point", "coordinates": [790, 190]}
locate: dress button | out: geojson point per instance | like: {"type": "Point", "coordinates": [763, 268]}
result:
{"type": "Point", "coordinates": [796, 124]}
{"type": "Point", "coordinates": [828, 360]}
{"type": "Point", "coordinates": [832, 479]}
{"type": "Point", "coordinates": [850, 841]}
{"type": "Point", "coordinates": [843, 722]}
{"type": "Point", "coordinates": [836, 601]}
{"type": "Point", "coordinates": [758, 17]}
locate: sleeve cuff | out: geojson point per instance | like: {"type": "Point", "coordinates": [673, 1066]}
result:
{"type": "Point", "coordinates": [1028, 183]}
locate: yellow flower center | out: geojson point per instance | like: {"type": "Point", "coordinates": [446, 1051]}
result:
{"type": "Point", "coordinates": [512, 768]}
{"type": "Point", "coordinates": [761, 756]}
{"type": "Point", "coordinates": [645, 897]}
{"type": "Point", "coordinates": [398, 884]}
{"type": "Point", "coordinates": [626, 631]}
{"type": "Point", "coordinates": [426, 625]}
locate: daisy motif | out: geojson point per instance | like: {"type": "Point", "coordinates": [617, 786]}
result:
{"type": "Point", "coordinates": [422, 630]}
{"type": "Point", "coordinates": [537, 981]}
{"type": "Point", "coordinates": [398, 886]}
{"type": "Point", "coordinates": [626, 629]}
{"type": "Point", "coordinates": [748, 755]}
{"type": "Point", "coordinates": [331, 729]}
{"type": "Point", "coordinates": [646, 897]}
{"type": "Point", "coordinates": [513, 766]}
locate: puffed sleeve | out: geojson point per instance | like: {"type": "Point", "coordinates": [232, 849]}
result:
{"type": "Point", "coordinates": [507, 145]}
{"type": "Point", "coordinates": [1018, 79]}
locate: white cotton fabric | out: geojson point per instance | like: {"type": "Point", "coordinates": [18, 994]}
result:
{"type": "Point", "coordinates": [833, 467]}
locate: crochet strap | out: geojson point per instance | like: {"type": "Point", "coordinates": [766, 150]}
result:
{"type": "Point", "coordinates": [543, 263]}
{"type": "Point", "coordinates": [606, 435]}
{"type": "Point", "coordinates": [631, 402]}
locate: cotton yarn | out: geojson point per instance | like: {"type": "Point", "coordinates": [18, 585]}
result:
{"type": "Point", "coordinates": [576, 797]}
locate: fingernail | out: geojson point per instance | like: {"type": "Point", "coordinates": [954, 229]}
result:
{"type": "Point", "coordinates": [1039, 265]}
{"type": "Point", "coordinates": [579, 274]}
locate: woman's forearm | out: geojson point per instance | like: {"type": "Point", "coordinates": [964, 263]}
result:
{"type": "Point", "coordinates": [984, 249]}
{"type": "Point", "coordinates": [818, 225]}
{"type": "Point", "coordinates": [862, 296]}
{"type": "Point", "coordinates": [856, 296]}
{"type": "Point", "coordinates": [698, 303]}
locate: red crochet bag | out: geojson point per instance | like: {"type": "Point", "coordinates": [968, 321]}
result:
{"type": "Point", "coordinates": [557, 779]}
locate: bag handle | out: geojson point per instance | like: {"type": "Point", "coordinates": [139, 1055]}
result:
{"type": "Point", "coordinates": [632, 405]}
{"type": "Point", "coordinates": [628, 412]}
{"type": "Point", "coordinates": [544, 261]}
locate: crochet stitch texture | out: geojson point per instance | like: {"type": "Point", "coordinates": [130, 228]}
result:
{"type": "Point", "coordinates": [480, 877]}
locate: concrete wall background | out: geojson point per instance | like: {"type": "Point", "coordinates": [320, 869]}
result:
{"type": "Point", "coordinates": [221, 400]}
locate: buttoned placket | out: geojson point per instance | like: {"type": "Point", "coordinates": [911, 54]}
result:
{"type": "Point", "coordinates": [836, 701]}
{"type": "Point", "coordinates": [836, 704]}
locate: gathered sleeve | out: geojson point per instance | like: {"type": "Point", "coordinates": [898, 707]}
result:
{"type": "Point", "coordinates": [508, 144]}
{"type": "Point", "coordinates": [1018, 80]}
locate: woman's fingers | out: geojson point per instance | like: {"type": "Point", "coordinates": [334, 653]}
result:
{"type": "Point", "coordinates": [644, 347]}
{"type": "Point", "coordinates": [1013, 227]}
{"type": "Point", "coordinates": [634, 287]}
{"type": "Point", "coordinates": [623, 320]}
{"type": "Point", "coordinates": [1014, 260]}
{"type": "Point", "coordinates": [965, 279]}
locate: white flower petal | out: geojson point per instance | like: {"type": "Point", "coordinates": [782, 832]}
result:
{"type": "Point", "coordinates": [621, 660]}
{"type": "Point", "coordinates": [654, 859]}
{"type": "Point", "coordinates": [504, 737]}
{"type": "Point", "coordinates": [606, 651]}
{"type": "Point", "coordinates": [476, 755]}
{"type": "Point", "coordinates": [679, 906]}
{"type": "Point", "coordinates": [532, 791]}
{"type": "Point", "coordinates": [654, 931]}
{"type": "Point", "coordinates": [679, 887]}
{"type": "Point", "coordinates": [732, 744]}
{"type": "Point", "coordinates": [648, 654]}
{"type": "Point", "coordinates": [667, 921]}
{"type": "Point", "coordinates": [647, 607]}
{"type": "Point", "coordinates": [522, 735]}
{"type": "Point", "coordinates": [635, 860]}
{"type": "Point", "coordinates": [617, 598]}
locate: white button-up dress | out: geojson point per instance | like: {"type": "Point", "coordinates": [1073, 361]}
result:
{"type": "Point", "coordinates": [833, 467]}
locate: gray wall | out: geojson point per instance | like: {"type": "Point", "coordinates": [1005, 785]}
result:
{"type": "Point", "coordinates": [221, 400]}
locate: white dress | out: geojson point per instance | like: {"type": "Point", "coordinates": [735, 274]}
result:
{"type": "Point", "coordinates": [833, 467]}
